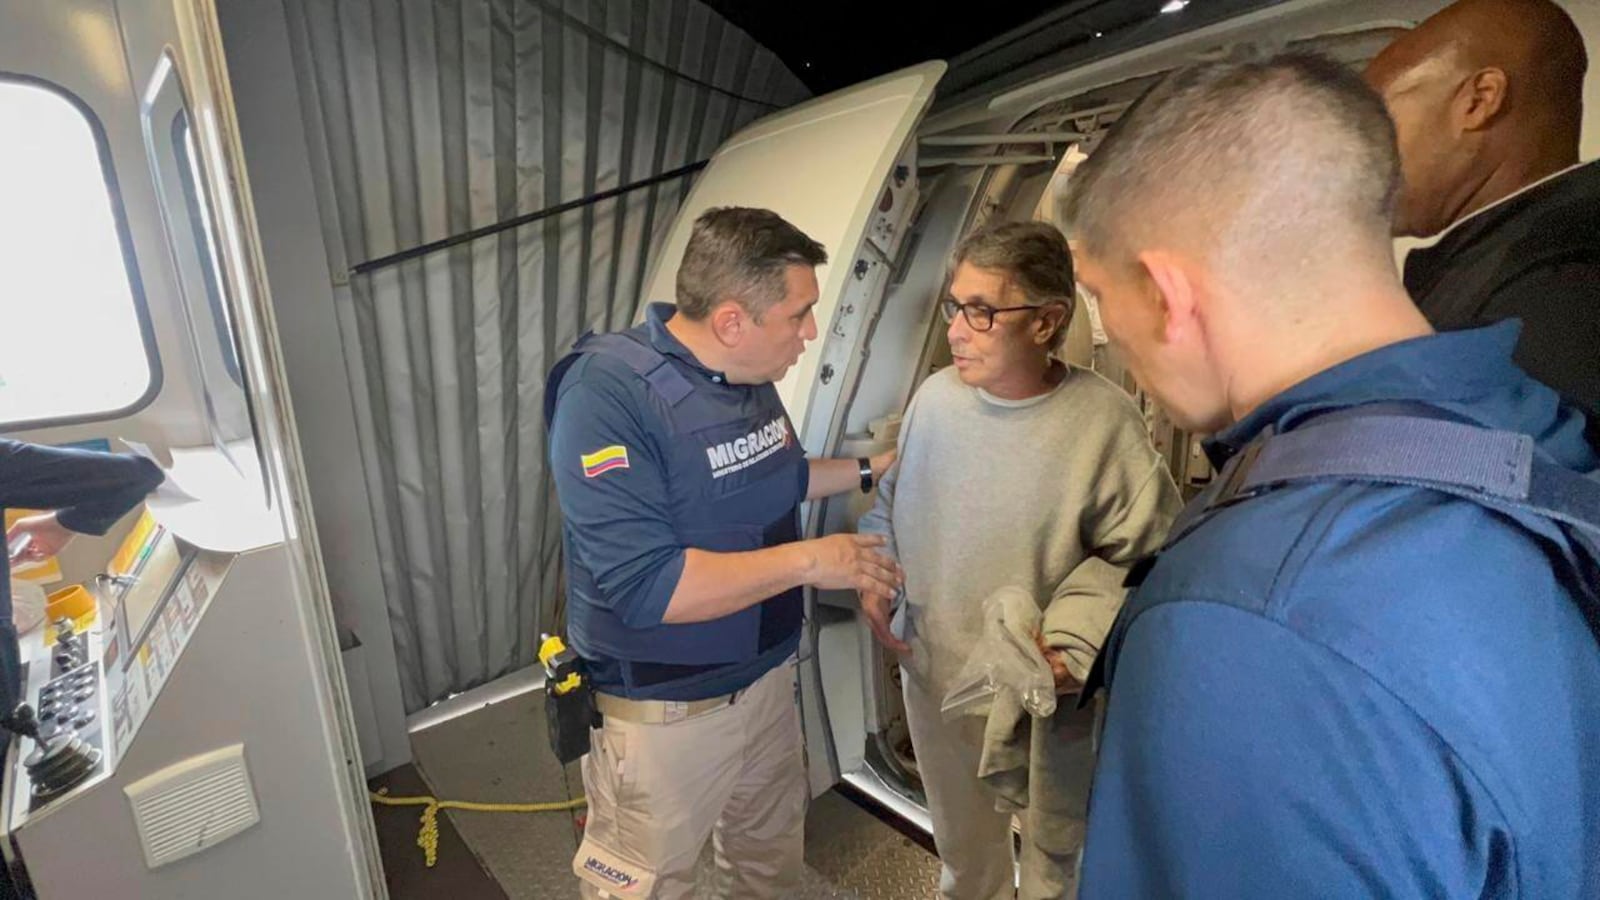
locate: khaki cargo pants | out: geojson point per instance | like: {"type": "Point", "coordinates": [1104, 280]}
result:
{"type": "Point", "coordinates": [659, 789]}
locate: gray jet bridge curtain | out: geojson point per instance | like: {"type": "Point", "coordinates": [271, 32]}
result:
{"type": "Point", "coordinates": [432, 119]}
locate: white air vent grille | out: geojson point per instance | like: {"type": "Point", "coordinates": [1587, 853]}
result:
{"type": "Point", "coordinates": [192, 805]}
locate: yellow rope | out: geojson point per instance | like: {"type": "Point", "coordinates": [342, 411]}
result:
{"type": "Point", "coordinates": [428, 837]}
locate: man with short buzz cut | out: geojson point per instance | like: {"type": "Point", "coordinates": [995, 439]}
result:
{"type": "Point", "coordinates": [680, 480]}
{"type": "Point", "coordinates": [1365, 663]}
{"type": "Point", "coordinates": [1487, 99]}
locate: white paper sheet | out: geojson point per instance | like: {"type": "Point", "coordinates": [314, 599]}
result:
{"type": "Point", "coordinates": [206, 501]}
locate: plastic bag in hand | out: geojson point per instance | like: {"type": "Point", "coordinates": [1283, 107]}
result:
{"type": "Point", "coordinates": [1005, 661]}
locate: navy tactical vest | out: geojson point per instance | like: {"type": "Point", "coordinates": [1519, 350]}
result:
{"type": "Point", "coordinates": [731, 455]}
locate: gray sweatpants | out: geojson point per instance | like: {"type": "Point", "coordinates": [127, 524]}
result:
{"type": "Point", "coordinates": [973, 838]}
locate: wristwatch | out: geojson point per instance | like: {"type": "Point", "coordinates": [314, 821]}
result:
{"type": "Point", "coordinates": [866, 475]}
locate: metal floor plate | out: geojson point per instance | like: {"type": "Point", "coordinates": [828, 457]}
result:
{"type": "Point", "coordinates": [499, 754]}
{"type": "Point", "coordinates": [850, 855]}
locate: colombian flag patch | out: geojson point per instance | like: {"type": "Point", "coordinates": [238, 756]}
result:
{"type": "Point", "coordinates": [604, 460]}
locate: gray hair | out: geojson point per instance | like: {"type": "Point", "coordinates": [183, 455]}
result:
{"type": "Point", "coordinates": [741, 254]}
{"type": "Point", "coordinates": [1252, 161]}
{"type": "Point", "coordinates": [1033, 256]}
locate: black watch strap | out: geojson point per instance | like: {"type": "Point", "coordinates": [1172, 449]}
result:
{"type": "Point", "coordinates": [866, 475]}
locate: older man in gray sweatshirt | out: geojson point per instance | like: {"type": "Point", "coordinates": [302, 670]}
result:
{"type": "Point", "coordinates": [1016, 470]}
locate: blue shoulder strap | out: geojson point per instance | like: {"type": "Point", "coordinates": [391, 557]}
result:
{"type": "Point", "coordinates": [1417, 446]}
{"type": "Point", "coordinates": [646, 361]}
{"type": "Point", "coordinates": [1498, 469]}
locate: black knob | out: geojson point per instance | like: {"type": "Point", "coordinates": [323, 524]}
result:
{"type": "Point", "coordinates": [23, 722]}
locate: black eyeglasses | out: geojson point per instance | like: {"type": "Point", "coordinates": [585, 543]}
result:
{"type": "Point", "coordinates": [979, 315]}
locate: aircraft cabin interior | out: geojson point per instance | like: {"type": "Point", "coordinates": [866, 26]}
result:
{"type": "Point", "coordinates": [314, 258]}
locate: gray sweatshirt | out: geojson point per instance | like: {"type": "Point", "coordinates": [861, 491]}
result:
{"type": "Point", "coordinates": [1038, 493]}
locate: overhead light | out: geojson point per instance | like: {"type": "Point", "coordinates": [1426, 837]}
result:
{"type": "Point", "coordinates": [1099, 34]}
{"type": "Point", "coordinates": [1174, 6]}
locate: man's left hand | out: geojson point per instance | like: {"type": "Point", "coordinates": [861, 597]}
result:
{"type": "Point", "coordinates": [46, 537]}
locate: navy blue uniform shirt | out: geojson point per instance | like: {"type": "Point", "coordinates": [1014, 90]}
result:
{"type": "Point", "coordinates": [89, 491]}
{"type": "Point", "coordinates": [634, 501]}
{"type": "Point", "coordinates": [1357, 690]}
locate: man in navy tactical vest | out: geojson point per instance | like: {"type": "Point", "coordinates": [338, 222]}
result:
{"type": "Point", "coordinates": [1364, 664]}
{"type": "Point", "coordinates": [680, 478]}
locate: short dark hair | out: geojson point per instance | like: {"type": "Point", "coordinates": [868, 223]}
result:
{"type": "Point", "coordinates": [741, 254]}
{"type": "Point", "coordinates": [1277, 149]}
{"type": "Point", "coordinates": [1033, 256]}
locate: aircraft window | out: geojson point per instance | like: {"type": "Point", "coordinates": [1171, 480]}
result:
{"type": "Point", "coordinates": [76, 343]}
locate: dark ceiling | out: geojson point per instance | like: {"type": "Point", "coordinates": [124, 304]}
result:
{"type": "Point", "coordinates": [830, 44]}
